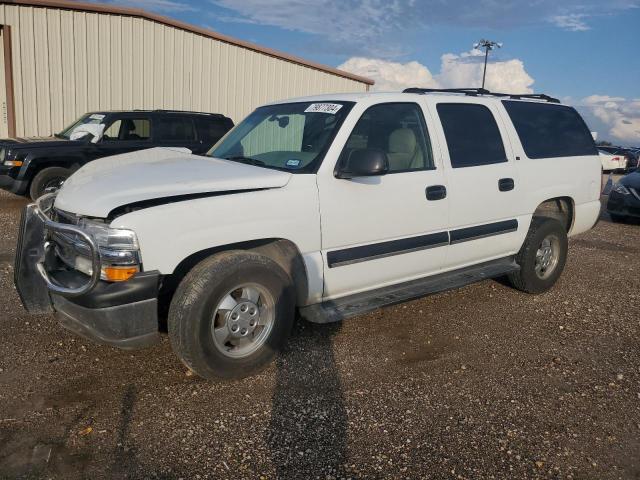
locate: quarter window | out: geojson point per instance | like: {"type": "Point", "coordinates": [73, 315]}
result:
{"type": "Point", "coordinates": [174, 129]}
{"type": "Point", "coordinates": [472, 134]}
{"type": "Point", "coordinates": [548, 131]}
{"type": "Point", "coordinates": [212, 130]}
{"type": "Point", "coordinates": [399, 130]}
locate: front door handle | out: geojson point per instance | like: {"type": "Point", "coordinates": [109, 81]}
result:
{"type": "Point", "coordinates": [436, 192]}
{"type": "Point", "coordinates": [506, 184]}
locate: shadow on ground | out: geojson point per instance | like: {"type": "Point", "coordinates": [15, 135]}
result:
{"type": "Point", "coordinates": [307, 434]}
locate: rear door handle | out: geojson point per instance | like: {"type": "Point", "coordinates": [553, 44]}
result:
{"type": "Point", "coordinates": [436, 192]}
{"type": "Point", "coordinates": [506, 184]}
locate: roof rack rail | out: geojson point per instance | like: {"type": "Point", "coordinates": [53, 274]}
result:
{"type": "Point", "coordinates": [165, 110]}
{"type": "Point", "coordinates": [474, 92]}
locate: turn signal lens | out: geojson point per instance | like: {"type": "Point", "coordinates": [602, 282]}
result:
{"type": "Point", "coordinates": [13, 163]}
{"type": "Point", "coordinates": [119, 274]}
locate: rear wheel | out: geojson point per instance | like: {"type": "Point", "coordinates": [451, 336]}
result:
{"type": "Point", "coordinates": [48, 180]}
{"type": "Point", "coordinates": [542, 256]}
{"type": "Point", "coordinates": [231, 314]}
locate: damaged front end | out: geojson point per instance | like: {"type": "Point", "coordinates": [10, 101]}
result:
{"type": "Point", "coordinates": [88, 274]}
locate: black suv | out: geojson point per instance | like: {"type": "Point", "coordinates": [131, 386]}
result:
{"type": "Point", "coordinates": [31, 166]}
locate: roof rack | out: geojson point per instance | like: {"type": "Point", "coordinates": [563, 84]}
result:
{"type": "Point", "coordinates": [164, 110]}
{"type": "Point", "coordinates": [474, 92]}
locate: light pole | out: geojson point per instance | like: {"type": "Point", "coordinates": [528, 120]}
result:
{"type": "Point", "coordinates": [487, 45]}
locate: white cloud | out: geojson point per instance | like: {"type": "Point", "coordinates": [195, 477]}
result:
{"type": "Point", "coordinates": [462, 70]}
{"type": "Point", "coordinates": [575, 22]}
{"type": "Point", "coordinates": [619, 116]}
{"type": "Point", "coordinates": [377, 27]}
{"type": "Point", "coordinates": [391, 76]}
{"type": "Point", "coordinates": [157, 5]}
{"type": "Point", "coordinates": [352, 24]}
{"type": "Point", "coordinates": [465, 70]}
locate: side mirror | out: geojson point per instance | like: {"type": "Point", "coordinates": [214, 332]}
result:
{"type": "Point", "coordinates": [364, 162]}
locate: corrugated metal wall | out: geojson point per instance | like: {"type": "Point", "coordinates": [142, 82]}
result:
{"type": "Point", "coordinates": [67, 63]}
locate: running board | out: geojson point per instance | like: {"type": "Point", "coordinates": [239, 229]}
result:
{"type": "Point", "coordinates": [345, 307]}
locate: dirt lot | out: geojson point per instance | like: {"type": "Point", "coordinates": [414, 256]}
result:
{"type": "Point", "coordinates": [483, 382]}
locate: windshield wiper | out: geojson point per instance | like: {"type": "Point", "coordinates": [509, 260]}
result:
{"type": "Point", "coordinates": [249, 160]}
{"type": "Point", "coordinates": [59, 135]}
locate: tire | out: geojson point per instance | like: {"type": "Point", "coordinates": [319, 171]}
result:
{"type": "Point", "coordinates": [532, 278]}
{"type": "Point", "coordinates": [196, 312]}
{"type": "Point", "coordinates": [617, 218]}
{"type": "Point", "coordinates": [45, 179]}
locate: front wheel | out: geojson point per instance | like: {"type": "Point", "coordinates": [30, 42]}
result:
{"type": "Point", "coordinates": [48, 180]}
{"type": "Point", "coordinates": [231, 314]}
{"type": "Point", "coordinates": [542, 256]}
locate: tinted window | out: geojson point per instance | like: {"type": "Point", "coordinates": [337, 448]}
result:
{"type": "Point", "coordinates": [175, 129]}
{"type": "Point", "coordinates": [210, 130]}
{"type": "Point", "coordinates": [550, 130]}
{"type": "Point", "coordinates": [128, 129]}
{"type": "Point", "coordinates": [399, 130]}
{"type": "Point", "coordinates": [472, 134]}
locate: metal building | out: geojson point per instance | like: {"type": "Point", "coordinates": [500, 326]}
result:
{"type": "Point", "coordinates": [62, 58]}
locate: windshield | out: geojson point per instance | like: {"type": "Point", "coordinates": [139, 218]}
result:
{"type": "Point", "coordinates": [290, 136]}
{"type": "Point", "coordinates": [87, 119]}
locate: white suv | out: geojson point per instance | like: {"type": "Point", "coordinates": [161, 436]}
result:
{"type": "Point", "coordinates": [331, 205]}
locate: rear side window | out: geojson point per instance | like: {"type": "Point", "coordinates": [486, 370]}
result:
{"type": "Point", "coordinates": [128, 130]}
{"type": "Point", "coordinates": [548, 131]}
{"type": "Point", "coordinates": [210, 130]}
{"type": "Point", "coordinates": [175, 129]}
{"type": "Point", "coordinates": [472, 134]}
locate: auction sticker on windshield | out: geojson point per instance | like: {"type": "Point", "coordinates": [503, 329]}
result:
{"type": "Point", "coordinates": [331, 108]}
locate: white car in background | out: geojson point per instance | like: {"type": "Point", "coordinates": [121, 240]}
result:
{"type": "Point", "coordinates": [611, 162]}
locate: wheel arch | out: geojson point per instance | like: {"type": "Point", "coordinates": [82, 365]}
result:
{"type": "Point", "coordinates": [559, 208]}
{"type": "Point", "coordinates": [283, 251]}
{"type": "Point", "coordinates": [37, 164]}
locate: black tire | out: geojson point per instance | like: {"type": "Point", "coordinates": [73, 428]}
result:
{"type": "Point", "coordinates": [617, 218]}
{"type": "Point", "coordinates": [46, 178]}
{"type": "Point", "coordinates": [527, 280]}
{"type": "Point", "coordinates": [191, 313]}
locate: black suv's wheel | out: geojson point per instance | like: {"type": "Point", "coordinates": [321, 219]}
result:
{"type": "Point", "coordinates": [230, 314]}
{"type": "Point", "coordinates": [542, 256]}
{"type": "Point", "coordinates": [48, 180]}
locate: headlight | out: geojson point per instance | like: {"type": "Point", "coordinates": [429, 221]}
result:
{"type": "Point", "coordinates": [119, 250]}
{"type": "Point", "coordinates": [11, 158]}
{"type": "Point", "coordinates": [109, 238]}
{"type": "Point", "coordinates": [621, 189]}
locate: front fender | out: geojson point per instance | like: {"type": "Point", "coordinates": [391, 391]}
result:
{"type": "Point", "coordinates": [170, 233]}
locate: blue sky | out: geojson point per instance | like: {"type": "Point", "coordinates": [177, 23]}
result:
{"type": "Point", "coordinates": [583, 51]}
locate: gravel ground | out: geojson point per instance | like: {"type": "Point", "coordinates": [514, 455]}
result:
{"type": "Point", "coordinates": [482, 382]}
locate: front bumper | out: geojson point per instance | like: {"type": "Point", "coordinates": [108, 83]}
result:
{"type": "Point", "coordinates": [624, 205]}
{"type": "Point", "coordinates": [19, 187]}
{"type": "Point", "coordinates": [122, 314]}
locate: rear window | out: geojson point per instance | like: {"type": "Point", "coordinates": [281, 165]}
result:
{"type": "Point", "coordinates": [550, 131]}
{"type": "Point", "coordinates": [472, 134]}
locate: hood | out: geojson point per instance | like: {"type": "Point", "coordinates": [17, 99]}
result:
{"type": "Point", "coordinates": [103, 185]}
{"type": "Point", "coordinates": [27, 142]}
{"type": "Point", "coordinates": [632, 180]}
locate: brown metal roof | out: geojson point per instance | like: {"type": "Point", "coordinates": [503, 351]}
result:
{"type": "Point", "coordinates": [137, 12]}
